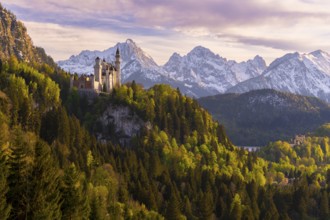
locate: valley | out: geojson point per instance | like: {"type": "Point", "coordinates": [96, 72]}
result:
{"type": "Point", "coordinates": [146, 147]}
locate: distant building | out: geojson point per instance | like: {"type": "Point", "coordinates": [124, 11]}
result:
{"type": "Point", "coordinates": [106, 77]}
{"type": "Point", "coordinates": [298, 140]}
{"type": "Point", "coordinates": [250, 148]}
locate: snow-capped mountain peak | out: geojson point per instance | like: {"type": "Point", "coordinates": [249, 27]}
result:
{"type": "Point", "coordinates": [304, 74]}
{"type": "Point", "coordinates": [201, 52]}
{"type": "Point", "coordinates": [319, 53]}
{"type": "Point", "coordinates": [199, 73]}
{"type": "Point", "coordinates": [203, 68]}
{"type": "Point", "coordinates": [132, 58]}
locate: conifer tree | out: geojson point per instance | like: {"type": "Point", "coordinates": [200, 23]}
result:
{"type": "Point", "coordinates": [19, 171]}
{"type": "Point", "coordinates": [99, 203]}
{"type": "Point", "coordinates": [63, 127]}
{"type": "Point", "coordinates": [324, 206]}
{"type": "Point", "coordinates": [73, 195]}
{"type": "Point", "coordinates": [252, 190]}
{"type": "Point", "coordinates": [206, 204]}
{"type": "Point", "coordinates": [173, 207]}
{"type": "Point", "coordinates": [187, 208]}
{"type": "Point", "coordinates": [44, 194]}
{"type": "Point", "coordinates": [268, 208]}
{"type": "Point", "coordinates": [236, 208]}
{"type": "Point", "coordinates": [4, 206]}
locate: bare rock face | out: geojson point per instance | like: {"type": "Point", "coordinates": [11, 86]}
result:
{"type": "Point", "coordinates": [122, 122]}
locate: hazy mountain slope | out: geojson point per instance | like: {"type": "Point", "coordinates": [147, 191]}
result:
{"type": "Point", "coordinates": [305, 74]}
{"type": "Point", "coordinates": [14, 41]}
{"type": "Point", "coordinates": [257, 117]}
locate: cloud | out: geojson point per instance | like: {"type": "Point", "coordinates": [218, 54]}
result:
{"type": "Point", "coordinates": [238, 28]}
{"type": "Point", "coordinates": [214, 15]}
{"type": "Point", "coordinates": [275, 43]}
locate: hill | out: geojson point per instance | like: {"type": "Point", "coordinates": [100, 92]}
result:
{"type": "Point", "coordinates": [178, 156]}
{"type": "Point", "coordinates": [260, 116]}
{"type": "Point", "coordinates": [179, 164]}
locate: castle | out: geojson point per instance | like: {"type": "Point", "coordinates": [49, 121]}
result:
{"type": "Point", "coordinates": [106, 77]}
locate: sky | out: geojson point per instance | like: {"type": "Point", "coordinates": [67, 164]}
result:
{"type": "Point", "coordinates": [234, 29]}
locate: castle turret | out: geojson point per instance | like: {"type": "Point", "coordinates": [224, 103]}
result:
{"type": "Point", "coordinates": [117, 63]}
{"type": "Point", "coordinates": [98, 70]}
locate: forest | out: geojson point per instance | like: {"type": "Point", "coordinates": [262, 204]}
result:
{"type": "Point", "coordinates": [183, 166]}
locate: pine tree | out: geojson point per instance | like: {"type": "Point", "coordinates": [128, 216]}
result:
{"type": "Point", "coordinates": [173, 208]}
{"type": "Point", "coordinates": [324, 206]}
{"type": "Point", "coordinates": [74, 198]}
{"type": "Point", "coordinates": [206, 204]}
{"type": "Point", "coordinates": [4, 206]}
{"type": "Point", "coordinates": [44, 198]}
{"type": "Point", "coordinates": [252, 190]}
{"type": "Point", "coordinates": [236, 208]}
{"type": "Point", "coordinates": [187, 208]}
{"type": "Point", "coordinates": [63, 127]}
{"type": "Point", "coordinates": [99, 203]}
{"type": "Point", "coordinates": [268, 208]}
{"type": "Point", "coordinates": [19, 170]}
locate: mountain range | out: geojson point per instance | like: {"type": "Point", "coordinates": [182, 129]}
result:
{"type": "Point", "coordinates": [203, 73]}
{"type": "Point", "coordinates": [199, 73]}
{"type": "Point", "coordinates": [262, 116]}
{"type": "Point", "coordinates": [304, 74]}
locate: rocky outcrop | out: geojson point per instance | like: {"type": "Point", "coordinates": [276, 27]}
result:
{"type": "Point", "coordinates": [121, 122]}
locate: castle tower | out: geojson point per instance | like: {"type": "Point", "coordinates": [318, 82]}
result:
{"type": "Point", "coordinates": [117, 63]}
{"type": "Point", "coordinates": [98, 70]}
{"type": "Point", "coordinates": [97, 83]}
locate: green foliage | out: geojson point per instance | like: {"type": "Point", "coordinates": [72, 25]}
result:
{"type": "Point", "coordinates": [74, 198]}
{"type": "Point", "coordinates": [323, 131]}
{"type": "Point", "coordinates": [173, 208]}
{"type": "Point", "coordinates": [20, 161]}
{"type": "Point", "coordinates": [236, 208]}
{"type": "Point", "coordinates": [312, 156]}
{"type": "Point", "coordinates": [262, 116]}
{"type": "Point", "coordinates": [325, 214]}
{"type": "Point", "coordinates": [180, 165]}
{"type": "Point", "coordinates": [5, 207]}
{"type": "Point", "coordinates": [44, 185]}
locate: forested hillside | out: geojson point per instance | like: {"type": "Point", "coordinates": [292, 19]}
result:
{"type": "Point", "coordinates": [63, 157]}
{"type": "Point", "coordinates": [181, 165]}
{"type": "Point", "coordinates": [258, 117]}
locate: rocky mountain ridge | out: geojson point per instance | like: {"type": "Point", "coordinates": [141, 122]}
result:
{"type": "Point", "coordinates": [199, 73]}
{"type": "Point", "coordinates": [304, 74]}
{"type": "Point", "coordinates": [203, 73]}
